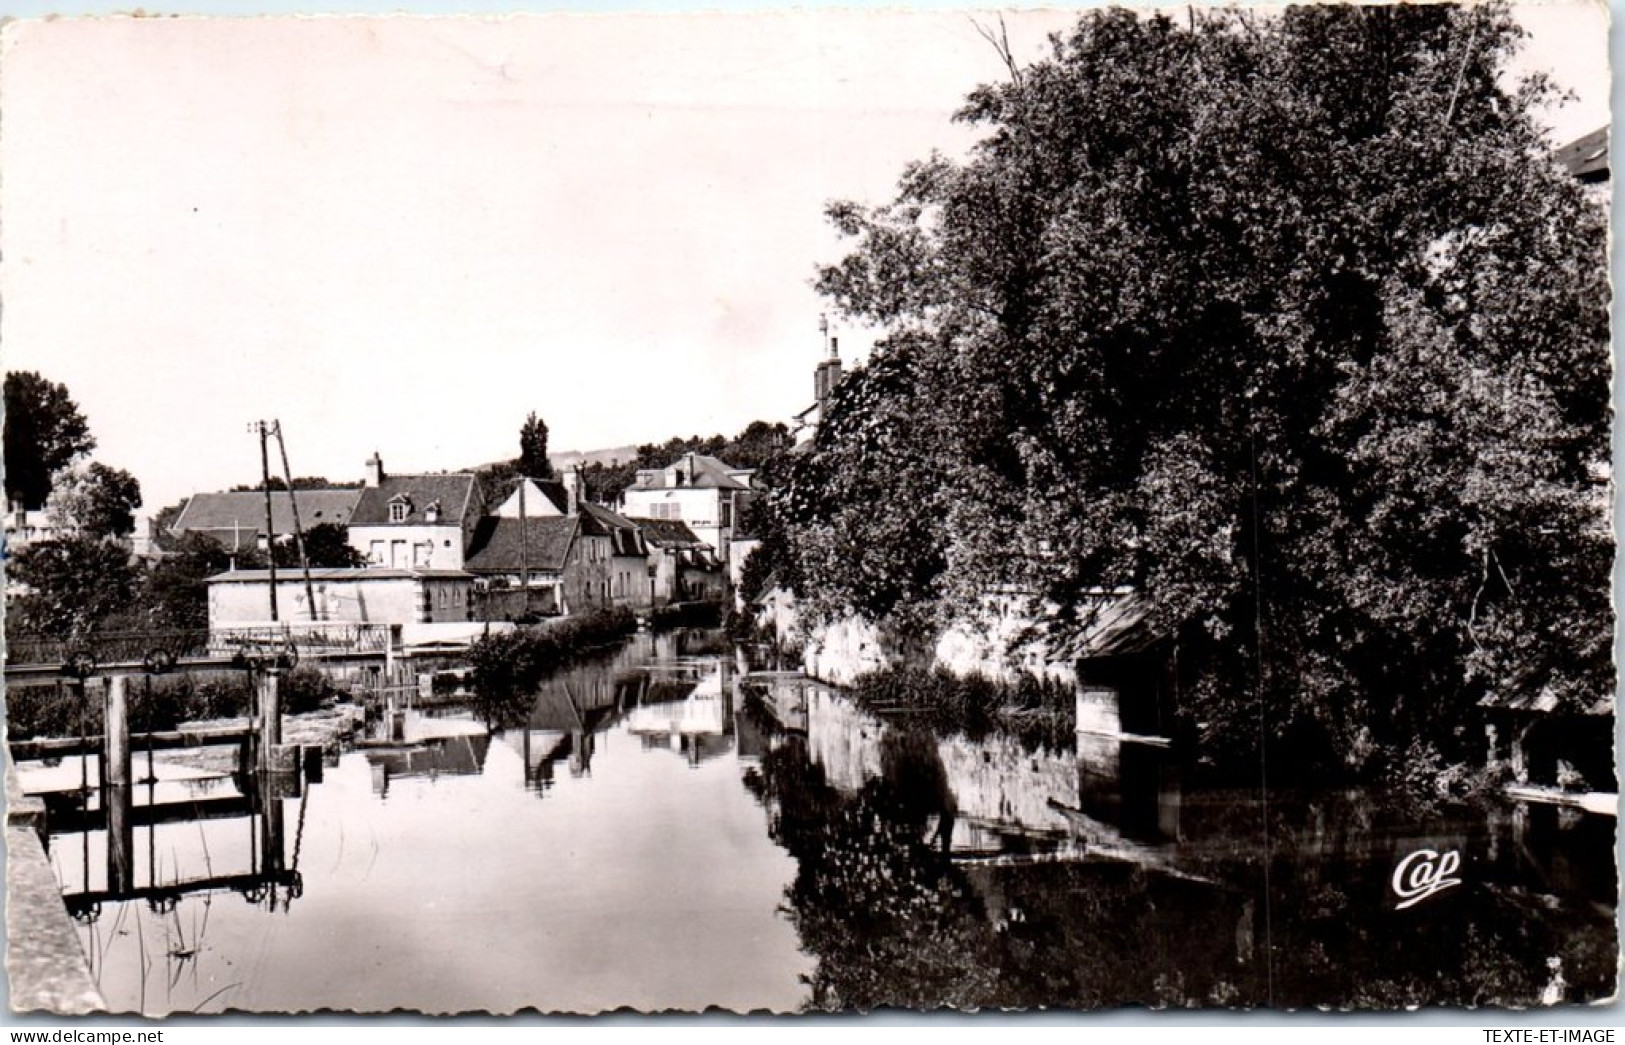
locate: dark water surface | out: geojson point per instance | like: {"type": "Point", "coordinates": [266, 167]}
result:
{"type": "Point", "coordinates": [649, 840]}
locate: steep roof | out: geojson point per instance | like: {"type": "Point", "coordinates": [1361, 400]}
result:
{"type": "Point", "coordinates": [1586, 157]}
{"type": "Point", "coordinates": [668, 533]}
{"type": "Point", "coordinates": [454, 493]}
{"type": "Point", "coordinates": [550, 491]}
{"type": "Point", "coordinates": [498, 542]}
{"type": "Point", "coordinates": [1120, 625]}
{"type": "Point", "coordinates": [244, 512]}
{"type": "Point", "coordinates": [605, 518]}
{"type": "Point", "coordinates": [1522, 695]}
{"type": "Point", "coordinates": [554, 491]}
{"type": "Point", "coordinates": [700, 471]}
{"type": "Point", "coordinates": [627, 538]}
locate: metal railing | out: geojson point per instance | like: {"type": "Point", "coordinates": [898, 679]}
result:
{"type": "Point", "coordinates": [106, 647]}
{"type": "Point", "coordinates": [307, 638]}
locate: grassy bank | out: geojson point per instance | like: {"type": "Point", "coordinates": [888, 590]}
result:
{"type": "Point", "coordinates": [1038, 713]}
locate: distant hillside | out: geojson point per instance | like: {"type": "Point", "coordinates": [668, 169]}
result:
{"type": "Point", "coordinates": [609, 456]}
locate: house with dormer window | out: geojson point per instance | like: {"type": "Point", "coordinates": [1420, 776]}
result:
{"type": "Point", "coordinates": [414, 522]}
{"type": "Point", "coordinates": [703, 493]}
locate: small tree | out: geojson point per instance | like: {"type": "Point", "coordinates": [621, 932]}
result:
{"type": "Point", "coordinates": [327, 545]}
{"type": "Point", "coordinates": [533, 461]}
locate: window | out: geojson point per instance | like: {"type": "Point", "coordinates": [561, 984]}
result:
{"type": "Point", "coordinates": [397, 511]}
{"type": "Point", "coordinates": [376, 553]}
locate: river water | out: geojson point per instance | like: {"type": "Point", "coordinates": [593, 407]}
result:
{"type": "Point", "coordinates": [649, 839]}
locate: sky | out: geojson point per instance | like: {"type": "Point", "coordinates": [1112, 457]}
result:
{"type": "Point", "coordinates": [405, 234]}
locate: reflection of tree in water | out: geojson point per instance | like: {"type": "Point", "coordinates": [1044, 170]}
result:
{"type": "Point", "coordinates": [889, 919]}
{"type": "Point", "coordinates": [893, 922]}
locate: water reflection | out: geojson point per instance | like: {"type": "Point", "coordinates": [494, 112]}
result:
{"type": "Point", "coordinates": [657, 830]}
{"type": "Point", "coordinates": [433, 879]}
{"type": "Point", "coordinates": [938, 871]}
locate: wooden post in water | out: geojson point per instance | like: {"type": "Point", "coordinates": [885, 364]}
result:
{"type": "Point", "coordinates": [117, 793]}
{"type": "Point", "coordinates": [311, 762]}
{"type": "Point", "coordinates": [271, 827]}
{"type": "Point", "coordinates": [116, 731]}
{"type": "Point", "coordinates": [270, 731]}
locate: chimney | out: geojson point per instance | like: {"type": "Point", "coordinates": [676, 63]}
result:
{"type": "Point", "coordinates": [571, 479]}
{"type": "Point", "coordinates": [826, 377]}
{"type": "Point", "coordinates": [375, 470]}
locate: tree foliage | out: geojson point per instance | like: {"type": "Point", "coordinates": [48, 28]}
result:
{"type": "Point", "coordinates": [300, 482]}
{"type": "Point", "coordinates": [44, 433]}
{"type": "Point", "coordinates": [533, 460]}
{"type": "Point", "coordinates": [1288, 322]}
{"type": "Point", "coordinates": [326, 545]}
{"type": "Point", "coordinates": [70, 584]}
{"type": "Point", "coordinates": [96, 501]}
{"type": "Point", "coordinates": [756, 447]}
{"type": "Point", "coordinates": [176, 594]}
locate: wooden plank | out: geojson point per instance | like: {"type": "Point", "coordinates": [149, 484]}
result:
{"type": "Point", "coordinates": [170, 740]}
{"type": "Point", "coordinates": [69, 821]}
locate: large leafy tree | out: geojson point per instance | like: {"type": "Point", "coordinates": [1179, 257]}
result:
{"type": "Point", "coordinates": [1288, 322]}
{"type": "Point", "coordinates": [96, 501]}
{"type": "Point", "coordinates": [44, 433]}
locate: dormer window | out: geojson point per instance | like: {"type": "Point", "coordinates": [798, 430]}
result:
{"type": "Point", "coordinates": [432, 513]}
{"type": "Point", "coordinates": [400, 506]}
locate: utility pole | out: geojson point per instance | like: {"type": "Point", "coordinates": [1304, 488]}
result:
{"type": "Point", "coordinates": [262, 430]}
{"type": "Point", "coordinates": [524, 543]}
{"type": "Point", "coordinates": [298, 530]}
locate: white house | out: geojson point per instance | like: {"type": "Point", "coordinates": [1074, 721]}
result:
{"type": "Point", "coordinates": [416, 522]}
{"type": "Point", "coordinates": [698, 490]}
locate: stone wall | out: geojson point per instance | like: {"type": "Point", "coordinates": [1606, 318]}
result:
{"type": "Point", "coordinates": [840, 651]}
{"type": "Point", "coordinates": [990, 643]}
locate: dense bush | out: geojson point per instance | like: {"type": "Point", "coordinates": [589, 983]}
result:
{"type": "Point", "coordinates": [158, 703]}
{"type": "Point", "coordinates": [507, 667]}
{"type": "Point", "coordinates": [1040, 713]}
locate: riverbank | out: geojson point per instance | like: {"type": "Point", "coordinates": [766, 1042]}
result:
{"type": "Point", "coordinates": [1038, 713]}
{"type": "Point", "coordinates": [45, 964]}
